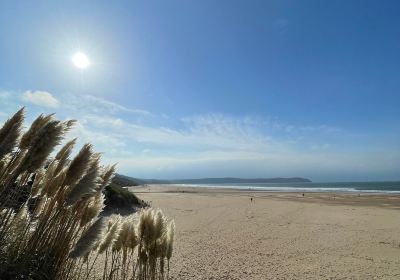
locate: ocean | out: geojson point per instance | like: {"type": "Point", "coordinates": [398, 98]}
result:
{"type": "Point", "coordinates": [358, 187]}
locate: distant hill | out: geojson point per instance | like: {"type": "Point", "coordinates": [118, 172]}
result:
{"type": "Point", "coordinates": [125, 181]}
{"type": "Point", "coordinates": [117, 197]}
{"type": "Point", "coordinates": [130, 181]}
{"type": "Point", "coordinates": [229, 180]}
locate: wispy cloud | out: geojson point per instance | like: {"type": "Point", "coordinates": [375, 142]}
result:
{"type": "Point", "coordinates": [81, 104]}
{"type": "Point", "coordinates": [219, 145]}
{"type": "Point", "coordinates": [203, 145]}
{"type": "Point", "coordinates": [197, 133]}
{"type": "Point", "coordinates": [40, 98]}
{"type": "Point", "coordinates": [4, 95]}
{"type": "Point", "coordinates": [95, 104]}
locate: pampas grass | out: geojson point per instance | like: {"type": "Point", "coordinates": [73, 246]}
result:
{"type": "Point", "coordinates": [51, 225]}
{"type": "Point", "coordinates": [79, 165]}
{"type": "Point", "coordinates": [86, 186]}
{"type": "Point", "coordinates": [44, 142]}
{"type": "Point", "coordinates": [88, 239]}
{"type": "Point", "coordinates": [37, 124]}
{"type": "Point", "coordinates": [10, 132]}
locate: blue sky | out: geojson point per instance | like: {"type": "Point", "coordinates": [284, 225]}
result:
{"type": "Point", "coordinates": [180, 89]}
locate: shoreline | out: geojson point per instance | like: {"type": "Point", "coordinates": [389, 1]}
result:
{"type": "Point", "coordinates": [384, 200]}
{"type": "Point", "coordinates": [230, 189]}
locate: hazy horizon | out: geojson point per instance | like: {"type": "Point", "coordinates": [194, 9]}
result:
{"type": "Point", "coordinates": [272, 177]}
{"type": "Point", "coordinates": [195, 89]}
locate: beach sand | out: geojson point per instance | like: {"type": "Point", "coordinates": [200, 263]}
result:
{"type": "Point", "coordinates": [221, 234]}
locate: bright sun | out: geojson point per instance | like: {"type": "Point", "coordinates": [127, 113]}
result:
{"type": "Point", "coordinates": [80, 60]}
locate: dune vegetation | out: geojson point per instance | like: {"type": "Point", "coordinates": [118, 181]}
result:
{"type": "Point", "coordinates": [51, 225]}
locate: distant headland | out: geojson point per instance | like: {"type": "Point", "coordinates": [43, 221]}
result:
{"type": "Point", "coordinates": [224, 180]}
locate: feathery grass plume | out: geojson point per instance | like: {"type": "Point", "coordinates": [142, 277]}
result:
{"type": "Point", "coordinates": [93, 209]}
{"type": "Point", "coordinates": [88, 239]}
{"type": "Point", "coordinates": [37, 183]}
{"type": "Point", "coordinates": [39, 206]}
{"type": "Point", "coordinates": [123, 235]}
{"type": "Point", "coordinates": [64, 153]}
{"type": "Point", "coordinates": [49, 176]}
{"type": "Point", "coordinates": [146, 230]}
{"type": "Point", "coordinates": [87, 186]}
{"type": "Point", "coordinates": [4, 212]}
{"type": "Point", "coordinates": [132, 239]}
{"type": "Point", "coordinates": [142, 255]}
{"type": "Point", "coordinates": [170, 239]}
{"type": "Point", "coordinates": [37, 124]}
{"type": "Point", "coordinates": [162, 245]}
{"type": "Point", "coordinates": [4, 162]}
{"type": "Point", "coordinates": [79, 165]}
{"type": "Point", "coordinates": [68, 125]}
{"type": "Point", "coordinates": [14, 163]}
{"type": "Point", "coordinates": [107, 175]}
{"type": "Point", "coordinates": [4, 165]}
{"type": "Point", "coordinates": [18, 117]}
{"type": "Point", "coordinates": [161, 253]}
{"type": "Point", "coordinates": [20, 220]}
{"type": "Point", "coordinates": [127, 239]}
{"type": "Point", "coordinates": [22, 213]}
{"type": "Point", "coordinates": [159, 223]}
{"type": "Point", "coordinates": [96, 244]}
{"type": "Point", "coordinates": [66, 150]}
{"type": "Point", "coordinates": [10, 141]}
{"type": "Point", "coordinates": [10, 131]}
{"type": "Point", "coordinates": [56, 183]}
{"type": "Point", "coordinates": [33, 242]}
{"type": "Point", "coordinates": [84, 218]}
{"type": "Point", "coordinates": [42, 145]}
{"type": "Point", "coordinates": [111, 234]}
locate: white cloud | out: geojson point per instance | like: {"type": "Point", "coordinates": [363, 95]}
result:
{"type": "Point", "coordinates": [203, 145]}
{"type": "Point", "coordinates": [196, 133]}
{"type": "Point", "coordinates": [5, 95]}
{"type": "Point", "coordinates": [227, 132]}
{"type": "Point", "coordinates": [93, 104]}
{"type": "Point", "coordinates": [103, 121]}
{"type": "Point", "coordinates": [226, 146]}
{"type": "Point", "coordinates": [40, 98]}
{"type": "Point", "coordinates": [102, 138]}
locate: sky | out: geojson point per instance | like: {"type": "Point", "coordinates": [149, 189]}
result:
{"type": "Point", "coordinates": [191, 89]}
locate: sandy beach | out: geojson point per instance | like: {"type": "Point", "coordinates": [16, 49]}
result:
{"type": "Point", "coordinates": [221, 234]}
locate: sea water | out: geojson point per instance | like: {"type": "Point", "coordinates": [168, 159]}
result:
{"type": "Point", "coordinates": [364, 187]}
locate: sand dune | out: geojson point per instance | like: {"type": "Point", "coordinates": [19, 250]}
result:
{"type": "Point", "coordinates": [222, 235]}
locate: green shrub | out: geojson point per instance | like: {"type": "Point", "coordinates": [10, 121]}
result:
{"type": "Point", "coordinates": [118, 197]}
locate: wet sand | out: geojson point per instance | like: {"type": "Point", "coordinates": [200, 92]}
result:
{"type": "Point", "coordinates": [221, 234]}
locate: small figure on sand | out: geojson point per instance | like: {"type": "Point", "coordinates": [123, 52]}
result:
{"type": "Point", "coordinates": [251, 199]}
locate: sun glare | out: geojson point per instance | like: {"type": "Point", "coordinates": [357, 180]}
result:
{"type": "Point", "coordinates": [80, 60]}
